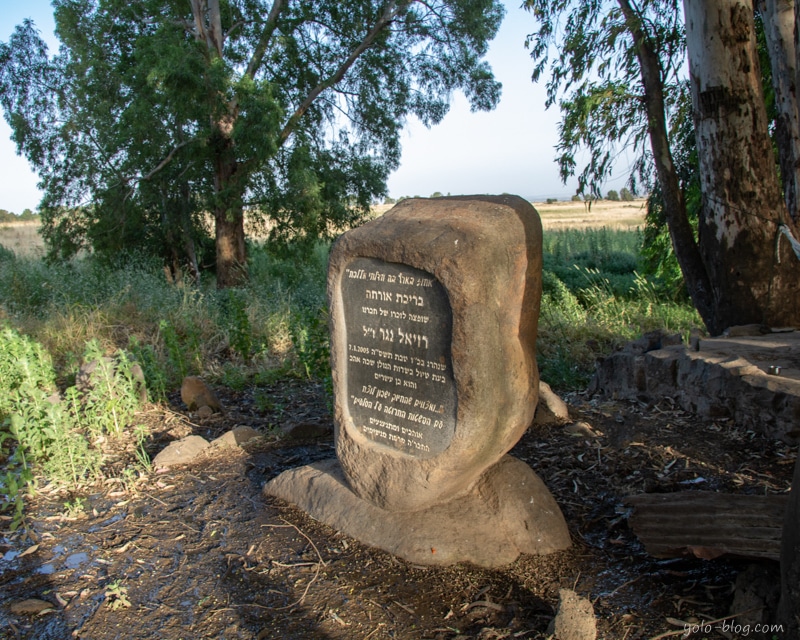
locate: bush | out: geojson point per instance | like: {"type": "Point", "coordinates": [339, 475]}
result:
{"type": "Point", "coordinates": [613, 196]}
{"type": "Point", "coordinates": [53, 434]}
{"type": "Point", "coordinates": [625, 195]}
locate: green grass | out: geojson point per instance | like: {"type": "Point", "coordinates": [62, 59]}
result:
{"type": "Point", "coordinates": [595, 298]}
{"type": "Point", "coordinates": [56, 316]}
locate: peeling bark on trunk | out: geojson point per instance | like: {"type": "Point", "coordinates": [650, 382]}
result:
{"type": "Point", "coordinates": [778, 18]}
{"type": "Point", "coordinates": [742, 201]}
{"type": "Point", "coordinates": [680, 230]}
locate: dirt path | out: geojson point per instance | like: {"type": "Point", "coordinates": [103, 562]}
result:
{"type": "Point", "coordinates": [198, 552]}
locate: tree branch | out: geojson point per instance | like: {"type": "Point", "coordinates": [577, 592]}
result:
{"type": "Point", "coordinates": [390, 12]}
{"type": "Point", "coordinates": [166, 160]}
{"type": "Point", "coordinates": [269, 28]}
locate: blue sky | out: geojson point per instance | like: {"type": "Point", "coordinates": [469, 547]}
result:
{"type": "Point", "coordinates": [509, 150]}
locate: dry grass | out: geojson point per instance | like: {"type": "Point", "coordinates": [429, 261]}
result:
{"type": "Point", "coordinates": [578, 215]}
{"type": "Point", "coordinates": [602, 213]}
{"type": "Point", "coordinates": [22, 238]}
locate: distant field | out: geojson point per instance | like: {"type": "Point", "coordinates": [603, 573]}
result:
{"type": "Point", "coordinates": [576, 215]}
{"type": "Point", "coordinates": [22, 238]}
{"type": "Point", "coordinates": [603, 213]}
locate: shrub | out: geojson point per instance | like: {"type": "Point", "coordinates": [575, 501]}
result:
{"type": "Point", "coordinates": [613, 195]}
{"type": "Point", "coordinates": [54, 434]}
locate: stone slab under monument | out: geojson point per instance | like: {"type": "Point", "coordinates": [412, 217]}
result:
{"type": "Point", "coordinates": [434, 309]}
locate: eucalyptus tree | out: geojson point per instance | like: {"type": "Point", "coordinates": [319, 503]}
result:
{"type": "Point", "coordinates": [615, 70]}
{"type": "Point", "coordinates": [158, 113]}
{"type": "Point", "coordinates": [621, 69]}
{"type": "Point", "coordinates": [744, 214]}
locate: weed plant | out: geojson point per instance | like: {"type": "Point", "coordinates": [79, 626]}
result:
{"type": "Point", "coordinates": [53, 434]}
{"type": "Point", "coordinates": [595, 299]}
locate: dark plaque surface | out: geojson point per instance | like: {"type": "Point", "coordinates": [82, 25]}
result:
{"type": "Point", "coordinates": [400, 387]}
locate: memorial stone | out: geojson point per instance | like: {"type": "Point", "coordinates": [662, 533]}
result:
{"type": "Point", "coordinates": [434, 311]}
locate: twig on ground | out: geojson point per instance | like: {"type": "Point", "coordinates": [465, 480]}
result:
{"type": "Point", "coordinates": [679, 632]}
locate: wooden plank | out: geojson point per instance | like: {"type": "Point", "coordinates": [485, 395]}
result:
{"type": "Point", "coordinates": [708, 525]}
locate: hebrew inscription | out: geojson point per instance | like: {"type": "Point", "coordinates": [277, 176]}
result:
{"type": "Point", "coordinates": [400, 387]}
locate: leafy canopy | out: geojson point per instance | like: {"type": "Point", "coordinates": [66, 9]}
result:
{"type": "Point", "coordinates": [586, 50]}
{"type": "Point", "coordinates": [154, 113]}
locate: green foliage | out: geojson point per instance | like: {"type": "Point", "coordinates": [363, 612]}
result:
{"type": "Point", "coordinates": [552, 200]}
{"type": "Point", "coordinates": [594, 77]}
{"type": "Point", "coordinates": [612, 195]}
{"type": "Point", "coordinates": [593, 300]}
{"type": "Point", "coordinates": [155, 374]}
{"type": "Point", "coordinates": [625, 195]}
{"type": "Point", "coordinates": [54, 434]}
{"type": "Point", "coordinates": [309, 331]}
{"type": "Point", "coordinates": [155, 116]}
{"type": "Point", "coordinates": [110, 398]}
{"type": "Point", "coordinates": [233, 308]}
{"type": "Point", "coordinates": [6, 255]}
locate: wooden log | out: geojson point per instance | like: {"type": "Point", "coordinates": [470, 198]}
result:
{"type": "Point", "coordinates": [708, 525]}
{"type": "Point", "coordinates": [789, 609]}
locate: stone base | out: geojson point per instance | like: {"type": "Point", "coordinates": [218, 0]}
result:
{"type": "Point", "coordinates": [509, 511]}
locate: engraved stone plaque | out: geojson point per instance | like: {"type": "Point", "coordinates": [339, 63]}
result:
{"type": "Point", "coordinates": [399, 375]}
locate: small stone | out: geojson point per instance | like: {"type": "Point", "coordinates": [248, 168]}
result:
{"type": "Point", "coordinates": [581, 428]}
{"type": "Point", "coordinates": [236, 437]}
{"type": "Point", "coordinates": [204, 412]}
{"type": "Point", "coordinates": [195, 393]}
{"type": "Point", "coordinates": [741, 330]}
{"type": "Point", "coordinates": [183, 451]}
{"type": "Point", "coordinates": [31, 607]}
{"type": "Point", "coordinates": [575, 618]}
{"type": "Point", "coordinates": [551, 409]}
{"type": "Point", "coordinates": [138, 374]}
{"type": "Point", "coordinates": [307, 431]}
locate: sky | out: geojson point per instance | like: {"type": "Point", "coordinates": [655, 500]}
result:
{"type": "Point", "coordinates": [508, 150]}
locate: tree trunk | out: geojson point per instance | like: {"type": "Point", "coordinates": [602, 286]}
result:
{"type": "Point", "coordinates": [742, 202]}
{"type": "Point", "coordinates": [228, 207]}
{"type": "Point", "coordinates": [778, 18]}
{"type": "Point", "coordinates": [231, 252]}
{"type": "Point", "coordinates": [228, 217]}
{"type": "Point", "coordinates": [789, 609]}
{"type": "Point", "coordinates": [680, 230]}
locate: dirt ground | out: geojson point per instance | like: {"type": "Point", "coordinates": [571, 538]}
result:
{"type": "Point", "coordinates": [199, 552]}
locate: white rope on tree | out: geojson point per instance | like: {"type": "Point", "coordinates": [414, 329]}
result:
{"type": "Point", "coordinates": [783, 230]}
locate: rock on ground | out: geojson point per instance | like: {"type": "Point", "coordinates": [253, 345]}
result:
{"type": "Point", "coordinates": [575, 618]}
{"type": "Point", "coordinates": [195, 394]}
{"type": "Point", "coordinates": [236, 437]}
{"type": "Point", "coordinates": [508, 512]}
{"type": "Point", "coordinates": [551, 409]}
{"type": "Point", "coordinates": [182, 451]}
